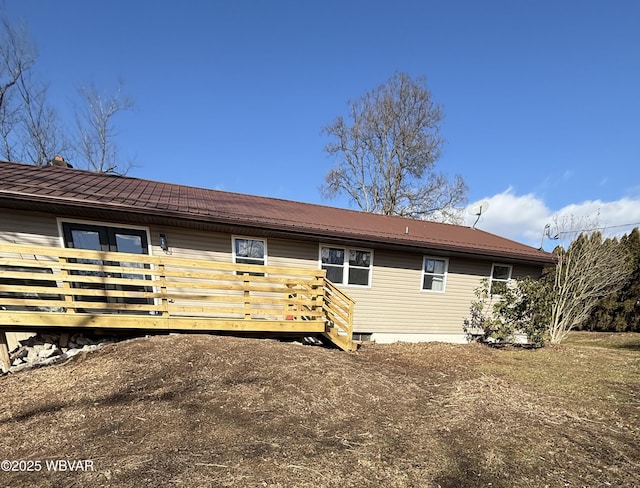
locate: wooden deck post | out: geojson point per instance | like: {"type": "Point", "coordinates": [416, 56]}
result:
{"type": "Point", "coordinates": [5, 362]}
{"type": "Point", "coordinates": [164, 301]}
{"type": "Point", "coordinates": [318, 297]}
{"type": "Point", "coordinates": [66, 286]}
{"type": "Point", "coordinates": [288, 295]}
{"type": "Point", "coordinates": [247, 300]}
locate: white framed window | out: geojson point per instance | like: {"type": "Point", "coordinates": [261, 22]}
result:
{"type": "Point", "coordinates": [347, 266]}
{"type": "Point", "coordinates": [500, 276]}
{"type": "Point", "coordinates": [434, 274]}
{"type": "Point", "coordinates": [248, 250]}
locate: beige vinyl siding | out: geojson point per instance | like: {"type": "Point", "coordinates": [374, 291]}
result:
{"type": "Point", "coordinates": [185, 243]}
{"type": "Point", "coordinates": [28, 228]}
{"type": "Point", "coordinates": [219, 247]}
{"type": "Point", "coordinates": [300, 254]}
{"type": "Point", "coordinates": [396, 303]}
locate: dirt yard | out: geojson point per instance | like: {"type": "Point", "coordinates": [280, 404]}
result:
{"type": "Point", "coordinates": [198, 410]}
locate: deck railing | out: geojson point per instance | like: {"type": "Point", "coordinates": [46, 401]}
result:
{"type": "Point", "coordinates": [49, 286]}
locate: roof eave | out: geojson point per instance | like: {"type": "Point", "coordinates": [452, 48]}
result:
{"type": "Point", "coordinates": [403, 242]}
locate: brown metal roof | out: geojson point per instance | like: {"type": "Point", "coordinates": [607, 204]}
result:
{"type": "Point", "coordinates": [79, 188]}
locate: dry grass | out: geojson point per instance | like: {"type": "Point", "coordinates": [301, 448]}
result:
{"type": "Point", "coordinates": [609, 340]}
{"type": "Point", "coordinates": [197, 410]}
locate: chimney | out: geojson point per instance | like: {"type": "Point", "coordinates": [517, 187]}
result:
{"type": "Point", "coordinates": [59, 161]}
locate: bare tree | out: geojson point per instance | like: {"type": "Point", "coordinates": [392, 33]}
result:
{"type": "Point", "coordinates": [587, 270]}
{"type": "Point", "coordinates": [29, 127]}
{"type": "Point", "coordinates": [386, 154]}
{"type": "Point", "coordinates": [17, 56]}
{"type": "Point", "coordinates": [96, 145]}
{"type": "Point", "coordinates": [42, 136]}
{"type": "Point", "coordinates": [8, 123]}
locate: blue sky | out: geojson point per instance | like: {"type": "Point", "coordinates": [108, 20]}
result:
{"type": "Point", "coordinates": [541, 99]}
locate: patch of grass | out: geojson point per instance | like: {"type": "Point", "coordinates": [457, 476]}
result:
{"type": "Point", "coordinates": [608, 340]}
{"type": "Point", "coordinates": [595, 368]}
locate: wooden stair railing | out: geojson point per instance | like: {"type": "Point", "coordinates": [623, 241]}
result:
{"type": "Point", "coordinates": [339, 309]}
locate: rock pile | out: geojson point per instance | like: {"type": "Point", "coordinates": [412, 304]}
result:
{"type": "Point", "coordinates": [48, 348]}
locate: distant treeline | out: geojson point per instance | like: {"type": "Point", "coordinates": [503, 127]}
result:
{"type": "Point", "coordinates": [620, 311]}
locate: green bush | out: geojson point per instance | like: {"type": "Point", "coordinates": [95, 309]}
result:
{"type": "Point", "coordinates": [521, 308]}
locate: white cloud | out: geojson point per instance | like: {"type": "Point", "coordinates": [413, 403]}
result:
{"type": "Point", "coordinates": [523, 217]}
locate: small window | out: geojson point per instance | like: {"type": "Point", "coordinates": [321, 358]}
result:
{"type": "Point", "coordinates": [347, 266]}
{"type": "Point", "coordinates": [249, 251]}
{"type": "Point", "coordinates": [500, 276]}
{"type": "Point", "coordinates": [434, 274]}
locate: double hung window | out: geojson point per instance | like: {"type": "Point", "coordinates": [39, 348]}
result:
{"type": "Point", "coordinates": [434, 274]}
{"type": "Point", "coordinates": [347, 266]}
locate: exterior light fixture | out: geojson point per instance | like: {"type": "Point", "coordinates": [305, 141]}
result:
{"type": "Point", "coordinates": [164, 245]}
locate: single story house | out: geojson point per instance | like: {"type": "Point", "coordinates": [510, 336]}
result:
{"type": "Point", "coordinates": [411, 280]}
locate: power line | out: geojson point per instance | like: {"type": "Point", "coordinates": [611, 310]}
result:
{"type": "Point", "coordinates": [597, 228]}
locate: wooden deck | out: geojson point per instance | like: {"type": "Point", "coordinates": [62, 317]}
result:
{"type": "Point", "coordinates": [60, 287]}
